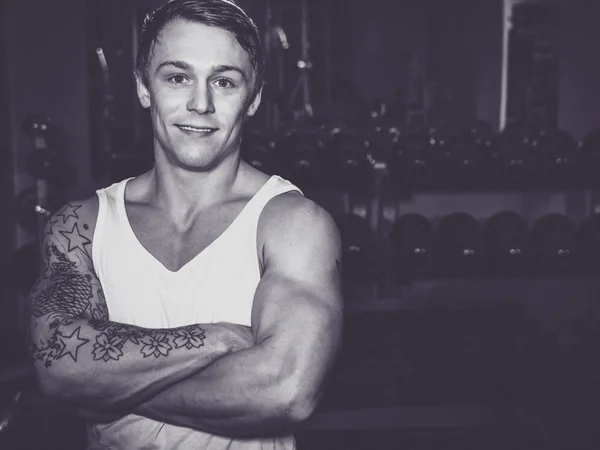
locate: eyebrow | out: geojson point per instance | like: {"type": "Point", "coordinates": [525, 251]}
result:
{"type": "Point", "coordinates": [215, 69]}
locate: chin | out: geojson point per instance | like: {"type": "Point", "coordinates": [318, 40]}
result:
{"type": "Point", "coordinates": [197, 165]}
{"type": "Point", "coordinates": [195, 159]}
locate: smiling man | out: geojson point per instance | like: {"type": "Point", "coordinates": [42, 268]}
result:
{"type": "Point", "coordinates": [196, 306]}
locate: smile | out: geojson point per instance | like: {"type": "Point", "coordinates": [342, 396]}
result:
{"type": "Point", "coordinates": [195, 129]}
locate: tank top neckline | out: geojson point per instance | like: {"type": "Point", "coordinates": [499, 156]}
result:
{"type": "Point", "coordinates": [203, 252]}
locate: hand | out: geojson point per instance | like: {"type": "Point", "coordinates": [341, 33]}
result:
{"type": "Point", "coordinates": [238, 337]}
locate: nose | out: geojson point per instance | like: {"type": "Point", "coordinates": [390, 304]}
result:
{"type": "Point", "coordinates": [201, 100]}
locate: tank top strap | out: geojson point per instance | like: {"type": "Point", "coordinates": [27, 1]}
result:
{"type": "Point", "coordinates": [272, 188]}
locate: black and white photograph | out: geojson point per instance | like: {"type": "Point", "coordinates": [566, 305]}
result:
{"type": "Point", "coordinates": [300, 225]}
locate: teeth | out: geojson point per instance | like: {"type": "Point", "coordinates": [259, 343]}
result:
{"type": "Point", "coordinates": [194, 129]}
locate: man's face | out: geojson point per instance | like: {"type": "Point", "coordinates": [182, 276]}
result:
{"type": "Point", "coordinates": [199, 83]}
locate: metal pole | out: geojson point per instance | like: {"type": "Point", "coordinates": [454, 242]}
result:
{"type": "Point", "coordinates": [328, 53]}
{"type": "Point", "coordinates": [305, 58]}
{"type": "Point", "coordinates": [268, 46]}
{"type": "Point", "coordinates": [134, 49]}
{"type": "Point", "coordinates": [280, 75]}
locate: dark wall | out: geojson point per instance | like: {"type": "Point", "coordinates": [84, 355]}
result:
{"type": "Point", "coordinates": [7, 231]}
{"type": "Point", "coordinates": [47, 74]}
{"type": "Point", "coordinates": [426, 50]}
{"type": "Point", "coordinates": [47, 57]}
{"type": "Point", "coordinates": [579, 84]}
{"type": "Point", "coordinates": [391, 43]}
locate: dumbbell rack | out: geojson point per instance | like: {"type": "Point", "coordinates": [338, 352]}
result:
{"type": "Point", "coordinates": [383, 208]}
{"type": "Point", "coordinates": [383, 296]}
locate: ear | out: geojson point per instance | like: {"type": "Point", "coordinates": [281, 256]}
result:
{"type": "Point", "coordinates": [255, 104]}
{"type": "Point", "coordinates": [142, 91]}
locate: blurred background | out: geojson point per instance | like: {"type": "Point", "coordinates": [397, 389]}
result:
{"type": "Point", "coordinates": [456, 143]}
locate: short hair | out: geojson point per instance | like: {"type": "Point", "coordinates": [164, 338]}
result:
{"type": "Point", "coordinates": [223, 14]}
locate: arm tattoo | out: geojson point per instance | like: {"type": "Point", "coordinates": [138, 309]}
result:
{"type": "Point", "coordinates": [63, 294]}
{"type": "Point", "coordinates": [51, 225]}
{"type": "Point", "coordinates": [110, 342]}
{"type": "Point", "coordinates": [68, 210]}
{"type": "Point", "coordinates": [66, 291]}
{"type": "Point", "coordinates": [77, 240]}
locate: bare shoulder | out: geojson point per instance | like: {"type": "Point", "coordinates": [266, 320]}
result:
{"type": "Point", "coordinates": [291, 223]}
{"type": "Point", "coordinates": [82, 213]}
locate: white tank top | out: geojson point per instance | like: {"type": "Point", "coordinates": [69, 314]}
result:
{"type": "Point", "coordinates": [139, 290]}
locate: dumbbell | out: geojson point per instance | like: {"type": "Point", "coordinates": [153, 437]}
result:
{"type": "Point", "coordinates": [482, 133]}
{"type": "Point", "coordinates": [377, 111]}
{"type": "Point", "coordinates": [45, 161]}
{"type": "Point", "coordinates": [347, 162]}
{"type": "Point", "coordinates": [412, 161]}
{"type": "Point", "coordinates": [37, 127]}
{"type": "Point", "coordinates": [358, 248]}
{"type": "Point", "coordinates": [414, 247]}
{"type": "Point", "coordinates": [381, 136]}
{"type": "Point", "coordinates": [300, 156]}
{"type": "Point", "coordinates": [28, 210]}
{"type": "Point", "coordinates": [48, 165]}
{"type": "Point", "coordinates": [258, 150]}
{"type": "Point", "coordinates": [507, 244]}
{"type": "Point", "coordinates": [590, 158]}
{"type": "Point", "coordinates": [554, 244]}
{"type": "Point", "coordinates": [465, 157]}
{"type": "Point", "coordinates": [514, 157]}
{"type": "Point", "coordinates": [23, 267]}
{"type": "Point", "coordinates": [461, 244]}
{"type": "Point", "coordinates": [560, 159]}
{"type": "Point", "coordinates": [588, 244]}
{"type": "Point", "coordinates": [316, 123]}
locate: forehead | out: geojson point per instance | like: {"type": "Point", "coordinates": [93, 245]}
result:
{"type": "Point", "coordinates": [199, 45]}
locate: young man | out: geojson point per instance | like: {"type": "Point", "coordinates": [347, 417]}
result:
{"type": "Point", "coordinates": [197, 305]}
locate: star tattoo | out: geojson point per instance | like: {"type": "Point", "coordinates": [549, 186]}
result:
{"type": "Point", "coordinates": [76, 240]}
{"type": "Point", "coordinates": [72, 344]}
{"type": "Point", "coordinates": [51, 226]}
{"type": "Point", "coordinates": [68, 211]}
{"type": "Point", "coordinates": [85, 226]}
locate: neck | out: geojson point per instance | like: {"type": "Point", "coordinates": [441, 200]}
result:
{"type": "Point", "coordinates": [178, 190]}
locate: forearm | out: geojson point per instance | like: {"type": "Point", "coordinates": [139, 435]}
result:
{"type": "Point", "coordinates": [240, 394]}
{"type": "Point", "coordinates": [114, 366]}
{"type": "Point", "coordinates": [263, 390]}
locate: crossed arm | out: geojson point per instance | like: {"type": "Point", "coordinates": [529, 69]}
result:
{"type": "Point", "coordinates": [297, 326]}
{"type": "Point", "coordinates": [297, 321]}
{"type": "Point", "coordinates": [235, 390]}
{"type": "Point", "coordinates": [79, 355]}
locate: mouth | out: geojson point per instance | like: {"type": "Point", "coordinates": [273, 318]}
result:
{"type": "Point", "coordinates": [193, 129]}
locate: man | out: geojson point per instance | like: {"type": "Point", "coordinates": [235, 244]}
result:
{"type": "Point", "coordinates": [198, 305]}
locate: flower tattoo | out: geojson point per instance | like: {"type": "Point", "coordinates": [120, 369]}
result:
{"type": "Point", "coordinates": [156, 345]}
{"type": "Point", "coordinates": [107, 348]}
{"type": "Point", "coordinates": [189, 337]}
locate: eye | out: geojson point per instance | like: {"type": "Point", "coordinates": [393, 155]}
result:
{"type": "Point", "coordinates": [224, 83]}
{"type": "Point", "coordinates": [177, 79]}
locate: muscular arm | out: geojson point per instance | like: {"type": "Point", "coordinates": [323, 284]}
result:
{"type": "Point", "coordinates": [81, 356]}
{"type": "Point", "coordinates": [297, 321]}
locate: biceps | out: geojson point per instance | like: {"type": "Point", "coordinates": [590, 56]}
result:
{"type": "Point", "coordinates": [296, 300]}
{"type": "Point", "coordinates": [300, 325]}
